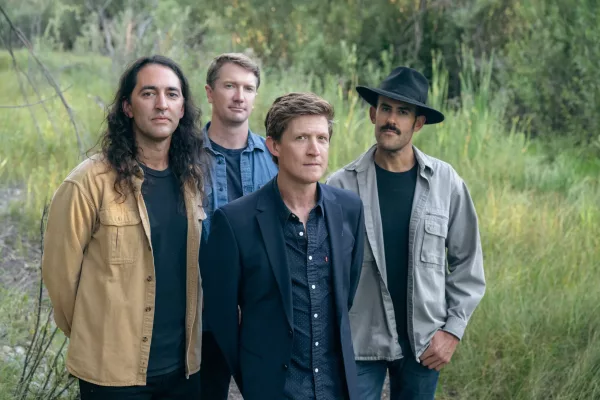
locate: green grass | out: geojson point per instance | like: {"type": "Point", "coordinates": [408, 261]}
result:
{"type": "Point", "coordinates": [535, 334]}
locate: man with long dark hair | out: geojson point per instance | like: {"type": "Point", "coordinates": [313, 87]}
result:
{"type": "Point", "coordinates": [240, 163]}
{"type": "Point", "coordinates": [121, 248]}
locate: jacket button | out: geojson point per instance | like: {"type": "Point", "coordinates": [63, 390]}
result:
{"type": "Point", "coordinates": [149, 278]}
{"type": "Point", "coordinates": [290, 333]}
{"type": "Point", "coordinates": [144, 339]}
{"type": "Point", "coordinates": [284, 366]}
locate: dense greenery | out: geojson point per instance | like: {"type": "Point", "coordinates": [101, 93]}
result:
{"type": "Point", "coordinates": [500, 69]}
{"type": "Point", "coordinates": [546, 53]}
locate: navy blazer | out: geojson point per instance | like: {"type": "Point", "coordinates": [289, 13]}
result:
{"type": "Point", "coordinates": [245, 265]}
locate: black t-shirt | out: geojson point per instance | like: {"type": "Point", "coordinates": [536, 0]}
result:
{"type": "Point", "coordinates": [234, 175]}
{"type": "Point", "coordinates": [168, 228]}
{"type": "Point", "coordinates": [396, 191]}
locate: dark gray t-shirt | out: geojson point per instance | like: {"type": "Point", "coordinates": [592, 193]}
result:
{"type": "Point", "coordinates": [234, 174]}
{"type": "Point", "coordinates": [168, 231]}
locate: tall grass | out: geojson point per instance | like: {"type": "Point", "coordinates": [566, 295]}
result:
{"type": "Point", "coordinates": [536, 334]}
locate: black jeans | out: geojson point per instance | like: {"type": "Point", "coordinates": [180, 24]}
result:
{"type": "Point", "coordinates": [214, 371]}
{"type": "Point", "coordinates": [171, 386]}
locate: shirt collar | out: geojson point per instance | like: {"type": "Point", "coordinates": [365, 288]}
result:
{"type": "Point", "coordinates": [254, 141]}
{"type": "Point", "coordinates": [284, 212]}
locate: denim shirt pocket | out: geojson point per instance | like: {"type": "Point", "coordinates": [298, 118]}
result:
{"type": "Point", "coordinates": [433, 250]}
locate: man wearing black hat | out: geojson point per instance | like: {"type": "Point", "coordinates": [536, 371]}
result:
{"type": "Point", "coordinates": [422, 274]}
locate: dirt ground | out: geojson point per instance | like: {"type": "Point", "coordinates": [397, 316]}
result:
{"type": "Point", "coordinates": [19, 256]}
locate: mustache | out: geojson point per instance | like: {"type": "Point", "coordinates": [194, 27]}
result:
{"type": "Point", "coordinates": [389, 127]}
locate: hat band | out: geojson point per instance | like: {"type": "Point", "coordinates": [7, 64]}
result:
{"type": "Point", "coordinates": [404, 91]}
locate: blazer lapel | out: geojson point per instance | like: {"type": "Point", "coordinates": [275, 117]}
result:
{"type": "Point", "coordinates": [333, 219]}
{"type": "Point", "coordinates": [272, 234]}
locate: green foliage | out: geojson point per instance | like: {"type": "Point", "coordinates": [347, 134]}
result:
{"type": "Point", "coordinates": [552, 68]}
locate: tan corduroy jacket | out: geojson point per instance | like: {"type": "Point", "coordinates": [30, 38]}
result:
{"type": "Point", "coordinates": [99, 270]}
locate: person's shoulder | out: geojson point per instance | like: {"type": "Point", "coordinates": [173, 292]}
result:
{"type": "Point", "coordinates": [243, 205]}
{"type": "Point", "coordinates": [344, 196]}
{"type": "Point", "coordinates": [89, 169]}
{"type": "Point", "coordinates": [442, 170]}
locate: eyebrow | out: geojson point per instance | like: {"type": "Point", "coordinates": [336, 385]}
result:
{"type": "Point", "coordinates": [151, 87]}
{"type": "Point", "coordinates": [239, 83]}
{"type": "Point", "coordinates": [407, 108]}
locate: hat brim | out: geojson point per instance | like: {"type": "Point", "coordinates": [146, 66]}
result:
{"type": "Point", "coordinates": [432, 116]}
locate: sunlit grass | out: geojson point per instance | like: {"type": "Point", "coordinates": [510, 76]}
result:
{"type": "Point", "coordinates": [534, 335]}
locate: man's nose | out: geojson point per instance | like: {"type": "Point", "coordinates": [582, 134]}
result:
{"type": "Point", "coordinates": [238, 95]}
{"type": "Point", "coordinates": [161, 102]}
{"type": "Point", "coordinates": [313, 147]}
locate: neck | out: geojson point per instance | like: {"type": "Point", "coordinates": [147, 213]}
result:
{"type": "Point", "coordinates": [229, 136]}
{"type": "Point", "coordinates": [396, 161]}
{"type": "Point", "coordinates": [300, 198]}
{"type": "Point", "coordinates": [154, 155]}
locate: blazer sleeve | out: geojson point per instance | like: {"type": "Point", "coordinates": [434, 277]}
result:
{"type": "Point", "coordinates": [71, 219]}
{"type": "Point", "coordinates": [221, 272]}
{"type": "Point", "coordinates": [357, 255]}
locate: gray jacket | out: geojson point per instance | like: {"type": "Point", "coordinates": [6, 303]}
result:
{"type": "Point", "coordinates": [445, 262]}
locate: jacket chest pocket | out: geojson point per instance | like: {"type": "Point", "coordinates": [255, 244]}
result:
{"type": "Point", "coordinates": [123, 235]}
{"type": "Point", "coordinates": [433, 250]}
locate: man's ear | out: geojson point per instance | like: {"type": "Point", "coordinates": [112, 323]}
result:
{"type": "Point", "coordinates": [127, 108]}
{"type": "Point", "coordinates": [273, 146]}
{"type": "Point", "coordinates": [372, 113]}
{"type": "Point", "coordinates": [419, 122]}
{"type": "Point", "coordinates": [209, 93]}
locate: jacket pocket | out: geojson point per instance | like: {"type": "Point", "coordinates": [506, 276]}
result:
{"type": "Point", "coordinates": [124, 234]}
{"type": "Point", "coordinates": [434, 242]}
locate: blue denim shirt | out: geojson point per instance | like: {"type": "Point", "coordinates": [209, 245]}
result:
{"type": "Point", "coordinates": [256, 167]}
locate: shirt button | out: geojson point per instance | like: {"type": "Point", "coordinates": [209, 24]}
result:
{"type": "Point", "coordinates": [220, 188]}
{"type": "Point", "coordinates": [149, 278]}
{"type": "Point", "coordinates": [220, 161]}
{"type": "Point", "coordinates": [301, 233]}
{"type": "Point", "coordinates": [144, 339]}
{"type": "Point", "coordinates": [148, 309]}
{"type": "Point", "coordinates": [310, 257]}
{"type": "Point", "coordinates": [317, 344]}
{"type": "Point", "coordinates": [316, 315]}
{"type": "Point", "coordinates": [313, 286]}
{"type": "Point", "coordinates": [290, 332]}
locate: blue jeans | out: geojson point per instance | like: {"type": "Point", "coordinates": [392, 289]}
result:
{"type": "Point", "coordinates": [409, 380]}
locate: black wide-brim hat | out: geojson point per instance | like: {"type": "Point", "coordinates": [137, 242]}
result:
{"type": "Point", "coordinates": [407, 85]}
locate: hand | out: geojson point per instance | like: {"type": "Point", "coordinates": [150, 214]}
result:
{"type": "Point", "coordinates": [440, 350]}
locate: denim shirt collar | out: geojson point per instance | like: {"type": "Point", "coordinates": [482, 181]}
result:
{"type": "Point", "coordinates": [252, 144]}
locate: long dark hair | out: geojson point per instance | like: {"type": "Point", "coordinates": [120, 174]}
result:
{"type": "Point", "coordinates": [118, 141]}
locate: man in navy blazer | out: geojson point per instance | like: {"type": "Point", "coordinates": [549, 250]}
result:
{"type": "Point", "coordinates": [289, 257]}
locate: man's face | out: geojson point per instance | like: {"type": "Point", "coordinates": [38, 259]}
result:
{"type": "Point", "coordinates": [395, 123]}
{"type": "Point", "coordinates": [156, 103]}
{"type": "Point", "coordinates": [303, 149]}
{"type": "Point", "coordinates": [233, 95]}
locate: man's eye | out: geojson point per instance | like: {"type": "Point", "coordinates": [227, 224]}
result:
{"type": "Point", "coordinates": [249, 89]}
{"type": "Point", "coordinates": [173, 95]}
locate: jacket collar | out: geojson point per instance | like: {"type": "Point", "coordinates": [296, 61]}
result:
{"type": "Point", "coordinates": [363, 162]}
{"type": "Point", "coordinates": [254, 141]}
